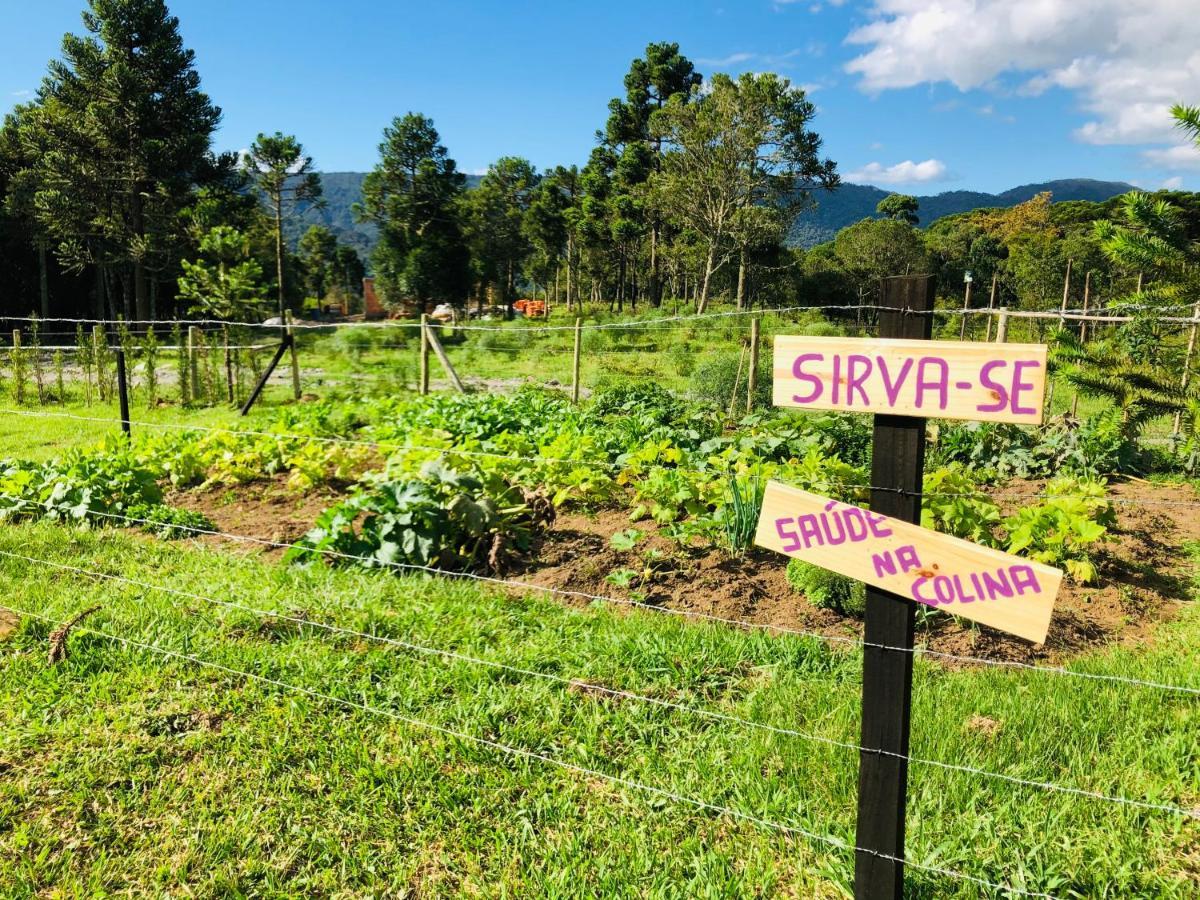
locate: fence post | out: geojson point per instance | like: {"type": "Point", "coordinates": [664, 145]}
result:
{"type": "Point", "coordinates": [962, 329]}
{"type": "Point", "coordinates": [1002, 326]}
{"type": "Point", "coordinates": [1187, 366]}
{"type": "Point", "coordinates": [897, 461]}
{"type": "Point", "coordinates": [290, 333]}
{"type": "Point", "coordinates": [754, 331]}
{"type": "Point", "coordinates": [193, 341]}
{"type": "Point", "coordinates": [991, 305]}
{"type": "Point", "coordinates": [424, 386]}
{"type": "Point", "coordinates": [575, 361]}
{"type": "Point", "coordinates": [122, 386]}
{"type": "Point", "coordinates": [18, 380]}
{"type": "Point", "coordinates": [228, 364]}
{"type": "Point", "coordinates": [99, 348]}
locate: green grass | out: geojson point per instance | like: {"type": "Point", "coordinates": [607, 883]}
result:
{"type": "Point", "coordinates": [43, 433]}
{"type": "Point", "coordinates": [128, 773]}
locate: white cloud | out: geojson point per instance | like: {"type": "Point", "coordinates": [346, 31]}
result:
{"type": "Point", "coordinates": [1173, 184]}
{"type": "Point", "coordinates": [731, 60]}
{"type": "Point", "coordinates": [1127, 62]}
{"type": "Point", "coordinates": [907, 172]}
{"type": "Point", "coordinates": [22, 94]}
{"type": "Point", "coordinates": [1181, 156]}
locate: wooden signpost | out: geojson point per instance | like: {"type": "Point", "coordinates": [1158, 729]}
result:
{"type": "Point", "coordinates": [904, 378]}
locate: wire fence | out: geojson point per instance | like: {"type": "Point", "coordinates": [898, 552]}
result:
{"type": "Point", "coordinates": [1078, 671]}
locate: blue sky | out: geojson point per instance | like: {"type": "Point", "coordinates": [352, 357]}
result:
{"type": "Point", "coordinates": [916, 95]}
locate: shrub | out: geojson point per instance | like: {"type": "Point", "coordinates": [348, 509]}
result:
{"type": "Point", "coordinates": [1062, 529]}
{"type": "Point", "coordinates": [683, 358]}
{"type": "Point", "coordinates": [827, 590]}
{"type": "Point", "coordinates": [713, 379]}
{"type": "Point", "coordinates": [445, 519]}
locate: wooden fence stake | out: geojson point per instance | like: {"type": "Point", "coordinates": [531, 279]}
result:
{"type": "Point", "coordinates": [122, 386]}
{"type": "Point", "coordinates": [423, 381]}
{"type": "Point", "coordinates": [575, 361]}
{"type": "Point", "coordinates": [193, 348]}
{"type": "Point", "coordinates": [962, 330]}
{"type": "Point", "coordinates": [290, 333]}
{"type": "Point", "coordinates": [897, 461]}
{"type": "Point", "coordinates": [18, 384]}
{"type": "Point", "coordinates": [1087, 297]}
{"type": "Point", "coordinates": [431, 340]}
{"type": "Point", "coordinates": [262, 381]}
{"type": "Point", "coordinates": [1187, 367]}
{"type": "Point", "coordinates": [99, 344]}
{"type": "Point", "coordinates": [737, 380]}
{"type": "Point", "coordinates": [754, 332]}
{"type": "Point", "coordinates": [228, 364]}
{"type": "Point", "coordinates": [992, 305]}
{"type": "Point", "coordinates": [1002, 326]}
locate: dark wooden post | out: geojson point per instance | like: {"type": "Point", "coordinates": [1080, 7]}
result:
{"type": "Point", "coordinates": [122, 386]}
{"type": "Point", "coordinates": [897, 460]}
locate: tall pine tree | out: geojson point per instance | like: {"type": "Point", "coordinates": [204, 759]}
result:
{"type": "Point", "coordinates": [126, 133]}
{"type": "Point", "coordinates": [412, 194]}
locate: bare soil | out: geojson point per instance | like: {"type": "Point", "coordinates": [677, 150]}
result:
{"type": "Point", "coordinates": [266, 510]}
{"type": "Point", "coordinates": [1145, 570]}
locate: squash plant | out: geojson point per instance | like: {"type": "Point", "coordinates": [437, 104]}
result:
{"type": "Point", "coordinates": [445, 519]}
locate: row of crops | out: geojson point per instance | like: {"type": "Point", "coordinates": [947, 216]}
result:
{"type": "Point", "coordinates": [466, 482]}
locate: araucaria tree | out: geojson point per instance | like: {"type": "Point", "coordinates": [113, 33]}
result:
{"type": "Point", "coordinates": [280, 170]}
{"type": "Point", "coordinates": [412, 194]}
{"type": "Point", "coordinates": [743, 143]}
{"type": "Point", "coordinates": [123, 132]}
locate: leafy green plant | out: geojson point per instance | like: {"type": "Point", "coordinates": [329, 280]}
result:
{"type": "Point", "coordinates": [626, 540]}
{"type": "Point", "coordinates": [169, 522]}
{"type": "Point", "coordinates": [827, 590]}
{"type": "Point", "coordinates": [1064, 528]}
{"type": "Point", "coordinates": [446, 519]}
{"type": "Point", "coordinates": [953, 504]}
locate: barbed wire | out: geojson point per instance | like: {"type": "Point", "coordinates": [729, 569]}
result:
{"type": "Point", "coordinates": [512, 584]}
{"type": "Point", "coordinates": [1112, 314]}
{"type": "Point", "coordinates": [525, 753]}
{"type": "Point", "coordinates": [586, 686]}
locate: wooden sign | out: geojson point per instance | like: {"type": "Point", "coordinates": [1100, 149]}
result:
{"type": "Point", "coordinates": [931, 379]}
{"type": "Point", "coordinates": [997, 589]}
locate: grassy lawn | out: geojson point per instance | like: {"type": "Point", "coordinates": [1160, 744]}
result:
{"type": "Point", "coordinates": [124, 771]}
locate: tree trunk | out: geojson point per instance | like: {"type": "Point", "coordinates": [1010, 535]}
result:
{"type": "Point", "coordinates": [741, 285]}
{"type": "Point", "coordinates": [279, 251]}
{"type": "Point", "coordinates": [655, 280]}
{"type": "Point", "coordinates": [140, 293]}
{"type": "Point", "coordinates": [709, 261]}
{"type": "Point", "coordinates": [43, 280]}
